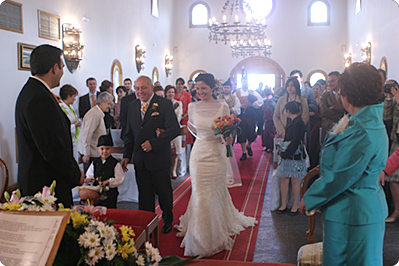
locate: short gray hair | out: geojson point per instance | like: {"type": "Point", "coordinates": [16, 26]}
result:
{"type": "Point", "coordinates": [104, 96]}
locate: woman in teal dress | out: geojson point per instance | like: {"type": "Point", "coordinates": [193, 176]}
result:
{"type": "Point", "coordinates": [348, 193]}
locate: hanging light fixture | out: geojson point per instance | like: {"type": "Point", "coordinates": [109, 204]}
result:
{"type": "Point", "coordinates": [246, 38]}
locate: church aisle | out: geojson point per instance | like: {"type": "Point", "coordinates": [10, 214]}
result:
{"type": "Point", "coordinates": [248, 198]}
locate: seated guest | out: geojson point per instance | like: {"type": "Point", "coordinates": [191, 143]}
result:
{"type": "Point", "coordinates": [106, 170]}
{"type": "Point", "coordinates": [158, 90]}
{"type": "Point", "coordinates": [170, 92]}
{"type": "Point", "coordinates": [107, 86]}
{"type": "Point", "coordinates": [92, 128]}
{"type": "Point", "coordinates": [354, 153]}
{"type": "Point", "coordinates": [68, 95]}
{"type": "Point", "coordinates": [121, 92]}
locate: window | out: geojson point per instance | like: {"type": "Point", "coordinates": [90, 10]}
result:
{"type": "Point", "coordinates": [315, 75]}
{"type": "Point", "coordinates": [116, 75]}
{"type": "Point", "coordinates": [261, 9]}
{"type": "Point", "coordinates": [196, 73]}
{"type": "Point", "coordinates": [199, 15]}
{"type": "Point", "coordinates": [319, 13]}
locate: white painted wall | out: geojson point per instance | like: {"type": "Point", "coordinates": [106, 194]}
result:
{"type": "Point", "coordinates": [114, 29]}
{"type": "Point", "coordinates": [295, 45]}
{"type": "Point", "coordinates": [378, 23]}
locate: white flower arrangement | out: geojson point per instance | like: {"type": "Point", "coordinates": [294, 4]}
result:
{"type": "Point", "coordinates": [86, 240]}
{"type": "Point", "coordinates": [342, 125]}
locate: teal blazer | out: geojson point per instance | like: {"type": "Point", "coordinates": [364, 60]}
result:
{"type": "Point", "coordinates": [348, 191]}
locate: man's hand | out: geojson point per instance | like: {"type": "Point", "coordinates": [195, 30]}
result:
{"type": "Point", "coordinates": [302, 207]}
{"type": "Point", "coordinates": [88, 180]}
{"type": "Point", "coordinates": [105, 183]}
{"type": "Point", "coordinates": [159, 131]}
{"type": "Point", "coordinates": [124, 163]}
{"type": "Point", "coordinates": [146, 146]}
{"type": "Point", "coordinates": [381, 178]}
{"type": "Point", "coordinates": [82, 177]}
{"type": "Point", "coordinates": [86, 158]}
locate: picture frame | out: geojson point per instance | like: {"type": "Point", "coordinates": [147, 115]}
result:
{"type": "Point", "coordinates": [24, 51]}
{"type": "Point", "coordinates": [155, 8]}
{"type": "Point", "coordinates": [49, 26]}
{"type": "Point", "coordinates": [358, 6]}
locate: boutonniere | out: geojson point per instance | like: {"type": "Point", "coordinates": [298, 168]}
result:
{"type": "Point", "coordinates": [154, 106]}
{"type": "Point", "coordinates": [342, 125]}
{"type": "Point", "coordinates": [154, 114]}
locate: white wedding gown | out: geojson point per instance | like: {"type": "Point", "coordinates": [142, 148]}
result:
{"type": "Point", "coordinates": [211, 218]}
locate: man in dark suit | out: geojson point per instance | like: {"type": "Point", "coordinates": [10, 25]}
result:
{"type": "Point", "coordinates": [125, 103]}
{"type": "Point", "coordinates": [43, 130]}
{"type": "Point", "coordinates": [87, 101]}
{"type": "Point", "coordinates": [152, 155]}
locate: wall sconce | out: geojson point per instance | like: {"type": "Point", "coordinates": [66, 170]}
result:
{"type": "Point", "coordinates": [366, 49]}
{"type": "Point", "coordinates": [73, 48]}
{"type": "Point", "coordinates": [348, 59]}
{"type": "Point", "coordinates": [140, 57]}
{"type": "Point", "coordinates": [168, 64]}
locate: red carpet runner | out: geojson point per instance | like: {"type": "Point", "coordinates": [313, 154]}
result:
{"type": "Point", "coordinates": [248, 199]}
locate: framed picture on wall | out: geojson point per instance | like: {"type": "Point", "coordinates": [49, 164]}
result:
{"type": "Point", "coordinates": [155, 8]}
{"type": "Point", "coordinates": [358, 6]}
{"type": "Point", "coordinates": [24, 51]}
{"type": "Point", "coordinates": [49, 26]}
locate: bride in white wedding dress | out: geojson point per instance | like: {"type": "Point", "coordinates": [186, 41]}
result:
{"type": "Point", "coordinates": [211, 218]}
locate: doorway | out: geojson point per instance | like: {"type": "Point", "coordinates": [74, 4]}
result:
{"type": "Point", "coordinates": [259, 69]}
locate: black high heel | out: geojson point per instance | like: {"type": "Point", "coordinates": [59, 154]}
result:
{"type": "Point", "coordinates": [281, 211]}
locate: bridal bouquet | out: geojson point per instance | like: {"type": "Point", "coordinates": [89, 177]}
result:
{"type": "Point", "coordinates": [87, 240]}
{"type": "Point", "coordinates": [226, 125]}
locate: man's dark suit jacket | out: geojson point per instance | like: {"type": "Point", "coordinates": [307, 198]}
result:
{"type": "Point", "coordinates": [84, 104]}
{"type": "Point", "coordinates": [44, 143]}
{"type": "Point", "coordinates": [160, 114]}
{"type": "Point", "coordinates": [124, 107]}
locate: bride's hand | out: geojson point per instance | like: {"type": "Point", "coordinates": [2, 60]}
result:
{"type": "Point", "coordinates": [229, 140]}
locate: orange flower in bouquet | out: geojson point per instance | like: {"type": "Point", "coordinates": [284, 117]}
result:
{"type": "Point", "coordinates": [226, 125]}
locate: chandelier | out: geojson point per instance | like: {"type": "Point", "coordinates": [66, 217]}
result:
{"type": "Point", "coordinates": [246, 38]}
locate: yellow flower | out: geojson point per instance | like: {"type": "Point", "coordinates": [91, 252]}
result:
{"type": "Point", "coordinates": [78, 219]}
{"type": "Point", "coordinates": [13, 207]}
{"type": "Point", "coordinates": [126, 250]}
{"type": "Point", "coordinates": [126, 231]}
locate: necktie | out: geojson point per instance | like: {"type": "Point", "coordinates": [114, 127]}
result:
{"type": "Point", "coordinates": [93, 100]}
{"type": "Point", "coordinates": [143, 109]}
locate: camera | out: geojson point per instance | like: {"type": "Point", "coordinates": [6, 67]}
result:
{"type": "Point", "coordinates": [388, 87]}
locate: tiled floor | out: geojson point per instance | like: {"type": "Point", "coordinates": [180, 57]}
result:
{"type": "Point", "coordinates": [281, 235]}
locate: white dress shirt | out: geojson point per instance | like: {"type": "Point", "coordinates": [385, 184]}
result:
{"type": "Point", "coordinates": [115, 181]}
{"type": "Point", "coordinates": [92, 128]}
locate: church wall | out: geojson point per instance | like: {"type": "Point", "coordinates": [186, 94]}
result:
{"type": "Point", "coordinates": [113, 30]}
{"type": "Point", "coordinates": [295, 45]}
{"type": "Point", "coordinates": [377, 22]}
